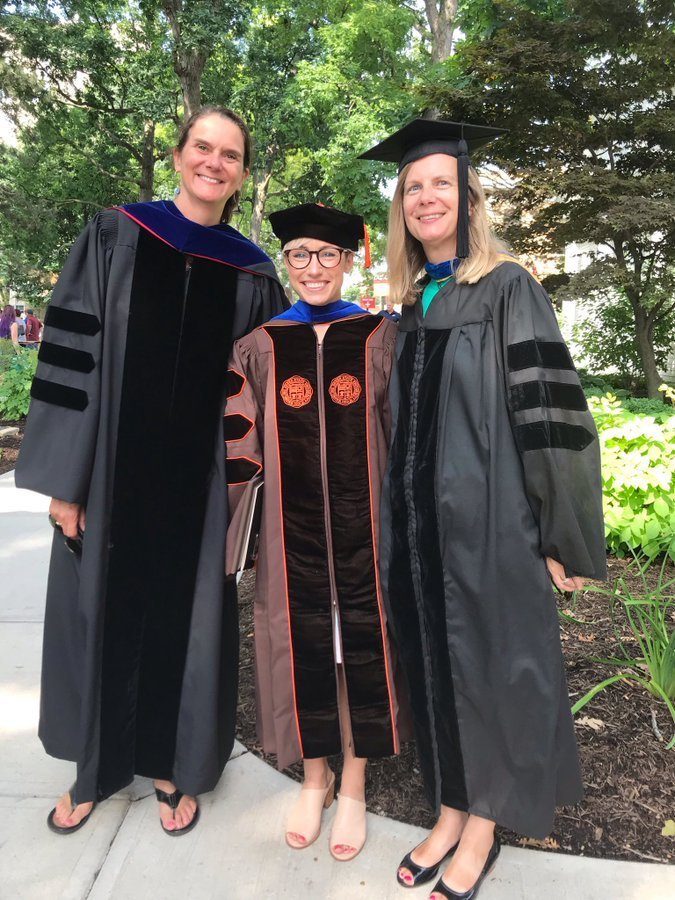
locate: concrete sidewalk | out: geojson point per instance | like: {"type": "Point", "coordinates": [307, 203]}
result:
{"type": "Point", "coordinates": [237, 851]}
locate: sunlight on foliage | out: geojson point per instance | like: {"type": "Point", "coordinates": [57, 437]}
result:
{"type": "Point", "coordinates": [638, 474]}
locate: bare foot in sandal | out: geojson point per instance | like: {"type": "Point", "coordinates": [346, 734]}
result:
{"type": "Point", "coordinates": [178, 818]}
{"type": "Point", "coordinates": [67, 815]}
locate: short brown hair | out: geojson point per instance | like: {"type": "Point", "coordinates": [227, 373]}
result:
{"type": "Point", "coordinates": [213, 110]}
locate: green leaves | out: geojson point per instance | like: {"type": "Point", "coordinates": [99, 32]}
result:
{"type": "Point", "coordinates": [638, 473]}
{"type": "Point", "coordinates": [649, 615]}
{"type": "Point", "coordinates": [16, 377]}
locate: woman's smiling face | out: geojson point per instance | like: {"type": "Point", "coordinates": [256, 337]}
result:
{"type": "Point", "coordinates": [211, 164]}
{"type": "Point", "coordinates": [316, 284]}
{"type": "Point", "coordinates": [431, 203]}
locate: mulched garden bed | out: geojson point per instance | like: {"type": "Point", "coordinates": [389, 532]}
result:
{"type": "Point", "coordinates": [628, 773]}
{"type": "Point", "coordinates": [9, 446]}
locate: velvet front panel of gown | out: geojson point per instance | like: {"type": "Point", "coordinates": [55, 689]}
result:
{"type": "Point", "coordinates": [321, 397]}
{"type": "Point", "coordinates": [414, 499]}
{"type": "Point", "coordinates": [169, 417]}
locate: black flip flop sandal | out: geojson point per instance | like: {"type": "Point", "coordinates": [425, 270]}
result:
{"type": "Point", "coordinates": [173, 800]}
{"type": "Point", "coordinates": [68, 829]}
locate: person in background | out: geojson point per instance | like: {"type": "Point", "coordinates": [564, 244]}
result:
{"type": "Point", "coordinates": [308, 403]}
{"type": "Point", "coordinates": [124, 433]}
{"type": "Point", "coordinates": [21, 326]}
{"type": "Point", "coordinates": [493, 491]}
{"type": "Point", "coordinates": [33, 328]}
{"type": "Point", "coordinates": [390, 312]}
{"type": "Point", "coordinates": [9, 329]}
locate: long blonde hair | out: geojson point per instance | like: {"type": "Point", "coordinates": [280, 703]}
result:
{"type": "Point", "coordinates": [405, 254]}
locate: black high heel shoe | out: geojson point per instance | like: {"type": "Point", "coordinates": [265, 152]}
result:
{"type": "Point", "coordinates": [421, 874]}
{"type": "Point", "coordinates": [441, 887]}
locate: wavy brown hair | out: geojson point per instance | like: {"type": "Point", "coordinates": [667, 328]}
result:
{"type": "Point", "coordinates": [405, 254]}
{"type": "Point", "coordinates": [212, 110]}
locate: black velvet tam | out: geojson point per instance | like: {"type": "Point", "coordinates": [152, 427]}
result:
{"type": "Point", "coordinates": [313, 220]}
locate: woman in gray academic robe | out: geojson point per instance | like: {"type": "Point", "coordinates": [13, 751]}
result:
{"type": "Point", "coordinates": [493, 489]}
{"type": "Point", "coordinates": [140, 649]}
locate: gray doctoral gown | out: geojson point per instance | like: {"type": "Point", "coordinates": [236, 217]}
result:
{"type": "Point", "coordinates": [141, 637]}
{"type": "Point", "coordinates": [494, 465]}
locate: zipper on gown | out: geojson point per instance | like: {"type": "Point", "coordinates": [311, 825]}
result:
{"type": "Point", "coordinates": [335, 611]}
{"type": "Point", "coordinates": [186, 288]}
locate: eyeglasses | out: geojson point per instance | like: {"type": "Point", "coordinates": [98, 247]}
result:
{"type": "Point", "coordinates": [329, 257]}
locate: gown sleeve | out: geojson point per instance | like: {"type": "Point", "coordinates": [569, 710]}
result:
{"type": "Point", "coordinates": [553, 430]}
{"type": "Point", "coordinates": [57, 451]}
{"type": "Point", "coordinates": [243, 448]}
{"type": "Point", "coordinates": [260, 298]}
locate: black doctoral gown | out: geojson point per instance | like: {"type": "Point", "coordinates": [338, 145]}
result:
{"type": "Point", "coordinates": [140, 649]}
{"type": "Point", "coordinates": [494, 466]}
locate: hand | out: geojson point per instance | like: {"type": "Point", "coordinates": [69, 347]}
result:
{"type": "Point", "coordinates": [564, 584]}
{"type": "Point", "coordinates": [70, 516]}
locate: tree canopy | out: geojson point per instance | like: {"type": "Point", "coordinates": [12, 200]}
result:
{"type": "Point", "coordinates": [96, 91]}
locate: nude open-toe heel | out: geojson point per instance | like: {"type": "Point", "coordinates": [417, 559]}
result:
{"type": "Point", "coordinates": [349, 828]}
{"type": "Point", "coordinates": [305, 817]}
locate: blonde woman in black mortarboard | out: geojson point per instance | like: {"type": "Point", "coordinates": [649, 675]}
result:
{"type": "Point", "coordinates": [493, 491]}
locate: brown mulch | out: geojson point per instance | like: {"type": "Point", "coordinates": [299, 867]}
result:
{"type": "Point", "coordinates": [9, 447]}
{"type": "Point", "coordinates": [629, 776]}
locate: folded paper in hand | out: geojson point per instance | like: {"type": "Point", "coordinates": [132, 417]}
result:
{"type": "Point", "coordinates": [246, 537]}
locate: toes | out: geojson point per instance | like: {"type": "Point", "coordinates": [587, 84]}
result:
{"type": "Point", "coordinates": [405, 875]}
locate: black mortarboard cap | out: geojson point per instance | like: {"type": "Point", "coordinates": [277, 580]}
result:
{"type": "Point", "coordinates": [313, 220]}
{"type": "Point", "coordinates": [424, 137]}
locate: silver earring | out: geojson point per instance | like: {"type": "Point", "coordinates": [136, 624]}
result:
{"type": "Point", "coordinates": [176, 191]}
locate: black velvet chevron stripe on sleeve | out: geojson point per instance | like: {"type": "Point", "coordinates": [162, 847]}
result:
{"type": "Point", "coordinates": [234, 383]}
{"type": "Point", "coordinates": [552, 394]}
{"type": "Point", "coordinates": [72, 320]}
{"type": "Point", "coordinates": [236, 427]}
{"type": "Point", "coordinates": [554, 435]}
{"type": "Point", "coordinates": [66, 357]}
{"type": "Point", "coordinates": [240, 469]}
{"type": "Point", "coordinates": [59, 394]}
{"type": "Point", "coordinates": [540, 355]}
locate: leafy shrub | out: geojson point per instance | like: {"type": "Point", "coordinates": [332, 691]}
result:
{"type": "Point", "coordinates": [7, 353]}
{"type": "Point", "coordinates": [638, 474]}
{"type": "Point", "coordinates": [647, 407]}
{"type": "Point", "coordinates": [15, 382]}
{"type": "Point", "coordinates": [617, 383]}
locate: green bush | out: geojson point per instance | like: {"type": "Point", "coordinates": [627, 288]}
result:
{"type": "Point", "coordinates": [15, 382]}
{"type": "Point", "coordinates": [638, 474]}
{"type": "Point", "coordinates": [647, 407]}
{"type": "Point", "coordinates": [616, 383]}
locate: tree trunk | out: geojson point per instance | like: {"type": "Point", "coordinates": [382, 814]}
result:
{"type": "Point", "coordinates": [441, 16]}
{"type": "Point", "coordinates": [188, 64]}
{"type": "Point", "coordinates": [148, 164]}
{"type": "Point", "coordinates": [261, 185]}
{"type": "Point", "coordinates": [644, 334]}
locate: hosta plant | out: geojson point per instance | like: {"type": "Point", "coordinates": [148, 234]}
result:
{"type": "Point", "coordinates": [638, 475]}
